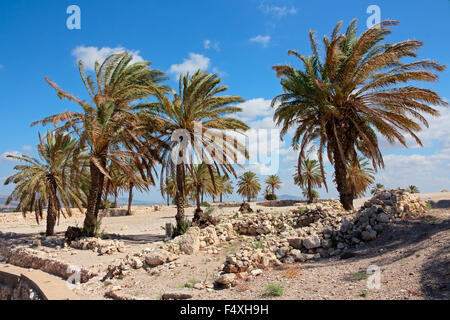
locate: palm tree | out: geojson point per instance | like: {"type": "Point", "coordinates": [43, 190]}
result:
{"type": "Point", "coordinates": [377, 188]}
{"type": "Point", "coordinates": [413, 189]}
{"type": "Point", "coordinates": [225, 186]}
{"type": "Point", "coordinates": [169, 189]}
{"type": "Point", "coordinates": [268, 195]}
{"type": "Point", "coordinates": [109, 128]}
{"type": "Point", "coordinates": [195, 119]}
{"type": "Point", "coordinates": [199, 182]}
{"type": "Point", "coordinates": [313, 196]}
{"type": "Point", "coordinates": [359, 176]}
{"type": "Point", "coordinates": [309, 176]}
{"type": "Point", "coordinates": [249, 185]}
{"type": "Point", "coordinates": [50, 182]}
{"type": "Point", "coordinates": [339, 101]}
{"type": "Point", "coordinates": [274, 182]}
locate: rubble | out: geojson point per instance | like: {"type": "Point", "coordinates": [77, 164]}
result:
{"type": "Point", "coordinates": [102, 247]}
{"type": "Point", "coordinates": [316, 231]}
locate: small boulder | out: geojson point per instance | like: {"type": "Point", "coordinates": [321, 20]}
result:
{"type": "Point", "coordinates": [369, 235]}
{"type": "Point", "coordinates": [295, 243]}
{"type": "Point", "coordinates": [225, 279]}
{"type": "Point", "coordinates": [190, 241]}
{"type": "Point", "coordinates": [311, 242]}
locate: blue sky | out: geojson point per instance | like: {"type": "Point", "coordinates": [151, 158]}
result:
{"type": "Point", "coordinates": [239, 40]}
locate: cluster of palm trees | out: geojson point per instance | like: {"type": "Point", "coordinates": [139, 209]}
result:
{"type": "Point", "coordinates": [133, 125]}
{"type": "Point", "coordinates": [123, 133]}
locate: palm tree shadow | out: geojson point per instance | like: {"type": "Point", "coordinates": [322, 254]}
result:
{"type": "Point", "coordinates": [137, 239]}
{"type": "Point", "coordinates": [435, 275]}
{"type": "Point", "coordinates": [405, 238]}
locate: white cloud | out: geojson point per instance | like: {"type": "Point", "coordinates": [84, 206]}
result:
{"type": "Point", "coordinates": [4, 156]}
{"type": "Point", "coordinates": [439, 129]}
{"type": "Point", "coordinates": [195, 62]}
{"type": "Point", "coordinates": [258, 107]}
{"type": "Point", "coordinates": [89, 55]}
{"type": "Point", "coordinates": [208, 44]}
{"type": "Point", "coordinates": [431, 173]}
{"type": "Point", "coordinates": [27, 148]}
{"type": "Point", "coordinates": [263, 40]}
{"type": "Point", "coordinates": [279, 12]}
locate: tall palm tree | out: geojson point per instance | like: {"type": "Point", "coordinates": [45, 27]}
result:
{"type": "Point", "coordinates": [340, 100]}
{"type": "Point", "coordinates": [309, 176]}
{"type": "Point", "coordinates": [50, 182]}
{"type": "Point", "coordinates": [413, 189]}
{"type": "Point", "coordinates": [359, 176]}
{"type": "Point", "coordinates": [107, 124]}
{"type": "Point", "coordinates": [249, 185]}
{"type": "Point", "coordinates": [274, 182]}
{"type": "Point", "coordinates": [193, 123]}
{"type": "Point", "coordinates": [377, 187]}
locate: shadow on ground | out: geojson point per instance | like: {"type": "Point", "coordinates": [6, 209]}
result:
{"type": "Point", "coordinates": [407, 238]}
{"type": "Point", "coordinates": [435, 276]}
{"type": "Point", "coordinates": [137, 239]}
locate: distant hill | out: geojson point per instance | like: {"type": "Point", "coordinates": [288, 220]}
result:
{"type": "Point", "coordinates": [124, 201]}
{"type": "Point", "coordinates": [288, 197]}
{"type": "Point", "coordinates": [281, 197]}
{"type": "Point", "coordinates": [3, 207]}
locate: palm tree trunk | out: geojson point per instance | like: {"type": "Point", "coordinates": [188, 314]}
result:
{"type": "Point", "coordinates": [130, 198]}
{"type": "Point", "coordinates": [94, 200]}
{"type": "Point", "coordinates": [221, 198]}
{"type": "Point", "coordinates": [179, 197]}
{"type": "Point", "coordinates": [340, 169]}
{"type": "Point", "coordinates": [310, 197]}
{"type": "Point", "coordinates": [197, 198]}
{"type": "Point", "coordinates": [198, 211]}
{"type": "Point", "coordinates": [51, 211]}
{"type": "Point", "coordinates": [115, 198]}
{"type": "Point", "coordinates": [51, 220]}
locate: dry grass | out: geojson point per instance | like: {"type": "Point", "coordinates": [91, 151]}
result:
{"type": "Point", "coordinates": [291, 272]}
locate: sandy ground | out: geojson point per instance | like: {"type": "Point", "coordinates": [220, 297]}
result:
{"type": "Point", "coordinates": [413, 257]}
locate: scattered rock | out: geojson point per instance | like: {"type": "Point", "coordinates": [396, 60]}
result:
{"type": "Point", "coordinates": [190, 241]}
{"type": "Point", "coordinates": [177, 295]}
{"type": "Point", "coordinates": [245, 208]}
{"type": "Point", "coordinates": [311, 242]}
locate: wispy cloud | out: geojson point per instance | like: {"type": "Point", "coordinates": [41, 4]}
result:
{"type": "Point", "coordinates": [89, 55]}
{"type": "Point", "coordinates": [4, 156]}
{"type": "Point", "coordinates": [192, 64]}
{"type": "Point", "coordinates": [263, 40]}
{"type": "Point", "coordinates": [209, 44]}
{"type": "Point", "coordinates": [27, 148]}
{"type": "Point", "coordinates": [277, 11]}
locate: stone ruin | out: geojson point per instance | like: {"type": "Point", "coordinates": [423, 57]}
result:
{"type": "Point", "coordinates": [314, 231]}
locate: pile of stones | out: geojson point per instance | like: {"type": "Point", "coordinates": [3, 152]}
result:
{"type": "Point", "coordinates": [398, 203]}
{"type": "Point", "coordinates": [102, 247]}
{"type": "Point", "coordinates": [147, 258]}
{"type": "Point", "coordinates": [315, 231]}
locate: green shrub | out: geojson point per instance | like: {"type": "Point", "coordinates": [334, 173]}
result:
{"type": "Point", "coordinates": [270, 197]}
{"type": "Point", "coordinates": [209, 211]}
{"type": "Point", "coordinates": [181, 229]}
{"type": "Point", "coordinates": [274, 290]}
